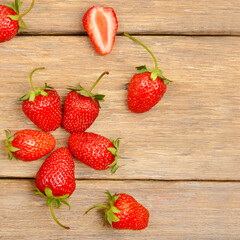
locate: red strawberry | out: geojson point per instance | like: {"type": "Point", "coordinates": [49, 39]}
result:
{"type": "Point", "coordinates": [147, 87]}
{"type": "Point", "coordinates": [42, 106]}
{"type": "Point", "coordinates": [55, 179]}
{"type": "Point", "coordinates": [11, 21]}
{"type": "Point", "coordinates": [94, 150]}
{"type": "Point", "coordinates": [29, 145]}
{"type": "Point", "coordinates": [101, 25]}
{"type": "Point", "coordinates": [81, 108]}
{"type": "Point", "coordinates": [124, 212]}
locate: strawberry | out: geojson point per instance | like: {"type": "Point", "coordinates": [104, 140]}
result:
{"type": "Point", "coordinates": [55, 179]}
{"type": "Point", "coordinates": [81, 108]}
{"type": "Point", "coordinates": [101, 25]}
{"type": "Point", "coordinates": [11, 21]}
{"type": "Point", "coordinates": [94, 150]}
{"type": "Point", "coordinates": [42, 106]}
{"type": "Point", "coordinates": [29, 145]}
{"type": "Point", "coordinates": [147, 87]}
{"type": "Point", "coordinates": [124, 212]}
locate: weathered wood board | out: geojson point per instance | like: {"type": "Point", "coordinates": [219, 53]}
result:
{"type": "Point", "coordinates": [138, 16]}
{"type": "Point", "coordinates": [178, 210]}
{"type": "Point", "coordinates": [193, 133]}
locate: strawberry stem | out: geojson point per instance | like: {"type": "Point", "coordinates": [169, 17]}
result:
{"type": "Point", "coordinates": [55, 219]}
{"type": "Point", "coordinates": [154, 59]}
{"type": "Point", "coordinates": [32, 74]}
{"type": "Point", "coordinates": [20, 16]}
{"type": "Point", "coordinates": [101, 206]}
{"type": "Point", "coordinates": [93, 86]}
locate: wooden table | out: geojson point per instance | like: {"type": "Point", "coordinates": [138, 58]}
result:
{"type": "Point", "coordinates": [180, 160]}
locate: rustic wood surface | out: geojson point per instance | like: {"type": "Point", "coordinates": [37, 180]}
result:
{"type": "Point", "coordinates": [178, 210]}
{"type": "Point", "coordinates": [193, 133]}
{"type": "Point", "coordinates": [138, 16]}
{"type": "Point", "coordinates": [180, 160]}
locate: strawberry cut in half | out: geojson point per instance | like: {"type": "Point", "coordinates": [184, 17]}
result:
{"type": "Point", "coordinates": [101, 25]}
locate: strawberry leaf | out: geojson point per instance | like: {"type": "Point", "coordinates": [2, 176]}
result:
{"type": "Point", "coordinates": [112, 150]}
{"type": "Point", "coordinates": [159, 72]}
{"type": "Point", "coordinates": [22, 25]}
{"type": "Point", "coordinates": [154, 76]}
{"type": "Point", "coordinates": [32, 96]}
{"type": "Point", "coordinates": [99, 97]}
{"type": "Point", "coordinates": [48, 192]}
{"type": "Point", "coordinates": [116, 142]}
{"type": "Point", "coordinates": [66, 203]}
{"type": "Point", "coordinates": [115, 210]}
{"type": "Point", "coordinates": [115, 197]}
{"type": "Point", "coordinates": [109, 195]}
{"type": "Point", "coordinates": [166, 81]}
{"type": "Point", "coordinates": [114, 169]}
{"type": "Point", "coordinates": [83, 93]}
{"type": "Point", "coordinates": [49, 201]}
{"type": "Point", "coordinates": [12, 6]}
{"type": "Point", "coordinates": [44, 93]}
{"type": "Point", "coordinates": [111, 217]}
{"type": "Point", "coordinates": [13, 149]}
{"type": "Point", "coordinates": [25, 97]}
{"type": "Point", "coordinates": [58, 203]}
{"type": "Point", "coordinates": [142, 69]}
{"type": "Point", "coordinates": [38, 192]}
{"type": "Point", "coordinates": [14, 17]}
{"type": "Point", "coordinates": [73, 88]}
{"type": "Point", "coordinates": [64, 196]}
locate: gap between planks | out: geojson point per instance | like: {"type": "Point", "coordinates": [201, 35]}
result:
{"type": "Point", "coordinates": [133, 34]}
{"type": "Point", "coordinates": [137, 179]}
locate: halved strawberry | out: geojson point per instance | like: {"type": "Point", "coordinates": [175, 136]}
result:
{"type": "Point", "coordinates": [101, 25]}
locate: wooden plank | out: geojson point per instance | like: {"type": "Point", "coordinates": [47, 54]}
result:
{"type": "Point", "coordinates": [193, 133]}
{"type": "Point", "coordinates": [178, 210]}
{"type": "Point", "coordinates": [138, 16]}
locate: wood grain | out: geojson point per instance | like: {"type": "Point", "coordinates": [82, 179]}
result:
{"type": "Point", "coordinates": [178, 210]}
{"type": "Point", "coordinates": [138, 16]}
{"type": "Point", "coordinates": [193, 133]}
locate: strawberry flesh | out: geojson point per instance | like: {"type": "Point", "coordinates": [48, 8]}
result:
{"type": "Point", "coordinates": [101, 25]}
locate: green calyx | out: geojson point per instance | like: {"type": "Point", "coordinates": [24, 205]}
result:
{"type": "Point", "coordinates": [16, 7]}
{"type": "Point", "coordinates": [51, 199]}
{"type": "Point", "coordinates": [9, 146]}
{"type": "Point", "coordinates": [154, 72]}
{"type": "Point", "coordinates": [85, 93]}
{"type": "Point", "coordinates": [31, 95]}
{"type": "Point", "coordinates": [114, 151]}
{"type": "Point", "coordinates": [109, 209]}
